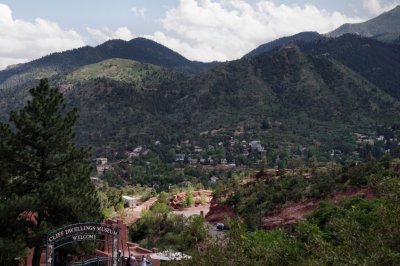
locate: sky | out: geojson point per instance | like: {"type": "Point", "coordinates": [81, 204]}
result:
{"type": "Point", "coordinates": [202, 30]}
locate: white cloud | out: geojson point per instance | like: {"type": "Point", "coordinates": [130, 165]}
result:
{"type": "Point", "coordinates": [376, 7]}
{"type": "Point", "coordinates": [104, 34]}
{"type": "Point", "coordinates": [204, 30]}
{"type": "Point", "coordinates": [21, 41]}
{"type": "Point", "coordinates": [123, 33]}
{"type": "Point", "coordinates": [138, 11]}
{"type": "Point", "coordinates": [201, 51]}
{"type": "Point", "coordinates": [209, 30]}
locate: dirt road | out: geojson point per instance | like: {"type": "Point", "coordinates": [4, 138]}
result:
{"type": "Point", "coordinates": [194, 210]}
{"type": "Point", "coordinates": [134, 214]}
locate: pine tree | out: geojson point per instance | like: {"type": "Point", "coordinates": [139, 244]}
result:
{"type": "Point", "coordinates": [44, 175]}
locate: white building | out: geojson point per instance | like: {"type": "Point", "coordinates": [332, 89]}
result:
{"type": "Point", "coordinates": [101, 161]}
{"type": "Point", "coordinates": [130, 201]}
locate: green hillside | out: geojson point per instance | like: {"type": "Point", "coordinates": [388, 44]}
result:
{"type": "Point", "coordinates": [304, 99]}
{"type": "Point", "coordinates": [308, 36]}
{"type": "Point", "coordinates": [138, 49]}
{"type": "Point", "coordinates": [306, 95]}
{"type": "Point", "coordinates": [122, 70]}
{"type": "Point", "coordinates": [377, 62]}
{"type": "Point", "coordinates": [314, 97]}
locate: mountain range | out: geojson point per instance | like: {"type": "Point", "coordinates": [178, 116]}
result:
{"type": "Point", "coordinates": [138, 49]}
{"type": "Point", "coordinates": [385, 27]}
{"type": "Point", "coordinates": [299, 91]}
{"type": "Point", "coordinates": [308, 36]}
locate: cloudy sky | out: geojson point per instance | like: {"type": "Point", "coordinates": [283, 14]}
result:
{"type": "Point", "coordinates": [203, 30]}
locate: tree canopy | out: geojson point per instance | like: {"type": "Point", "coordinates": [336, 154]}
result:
{"type": "Point", "coordinates": [44, 177]}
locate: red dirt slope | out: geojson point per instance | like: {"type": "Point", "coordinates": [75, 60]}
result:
{"type": "Point", "coordinates": [218, 212]}
{"type": "Point", "coordinates": [290, 213]}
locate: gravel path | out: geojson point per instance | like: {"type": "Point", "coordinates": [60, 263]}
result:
{"type": "Point", "coordinates": [194, 210]}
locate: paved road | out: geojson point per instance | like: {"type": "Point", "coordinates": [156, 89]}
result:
{"type": "Point", "coordinates": [213, 232]}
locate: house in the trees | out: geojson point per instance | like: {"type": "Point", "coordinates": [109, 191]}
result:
{"type": "Point", "coordinates": [255, 145]}
{"type": "Point", "coordinates": [102, 165]}
{"type": "Point", "coordinates": [213, 179]}
{"type": "Point", "coordinates": [180, 157]}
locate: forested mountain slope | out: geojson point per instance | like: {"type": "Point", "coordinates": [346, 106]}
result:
{"type": "Point", "coordinates": [377, 62]}
{"type": "Point", "coordinates": [139, 49]}
{"type": "Point", "coordinates": [300, 95]}
{"type": "Point", "coordinates": [303, 97]}
{"type": "Point", "coordinates": [308, 36]}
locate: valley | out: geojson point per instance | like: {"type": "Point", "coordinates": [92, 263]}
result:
{"type": "Point", "coordinates": [288, 155]}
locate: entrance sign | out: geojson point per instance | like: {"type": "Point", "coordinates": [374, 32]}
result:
{"type": "Point", "coordinates": [80, 232]}
{"type": "Point", "coordinates": [88, 231]}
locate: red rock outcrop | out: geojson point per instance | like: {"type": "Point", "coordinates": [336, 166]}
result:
{"type": "Point", "coordinates": [292, 212]}
{"type": "Point", "coordinates": [218, 212]}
